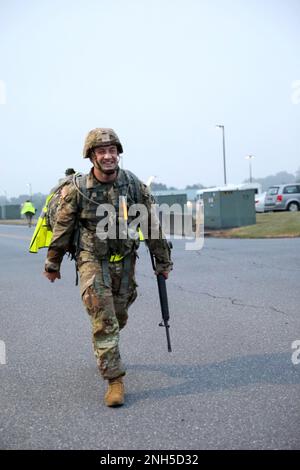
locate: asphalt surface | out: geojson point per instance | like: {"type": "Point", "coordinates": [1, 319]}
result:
{"type": "Point", "coordinates": [228, 384]}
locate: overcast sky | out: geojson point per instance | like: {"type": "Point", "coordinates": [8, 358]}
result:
{"type": "Point", "coordinates": [162, 73]}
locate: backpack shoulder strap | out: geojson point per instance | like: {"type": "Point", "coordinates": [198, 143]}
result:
{"type": "Point", "coordinates": [135, 184]}
{"type": "Point", "coordinates": [79, 181]}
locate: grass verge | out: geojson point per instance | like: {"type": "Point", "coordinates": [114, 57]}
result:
{"type": "Point", "coordinates": [268, 225]}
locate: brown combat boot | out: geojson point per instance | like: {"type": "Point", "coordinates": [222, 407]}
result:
{"type": "Point", "coordinates": [115, 393]}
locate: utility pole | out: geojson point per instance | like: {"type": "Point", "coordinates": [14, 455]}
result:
{"type": "Point", "coordinates": [221, 126]}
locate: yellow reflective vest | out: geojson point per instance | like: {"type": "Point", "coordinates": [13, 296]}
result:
{"type": "Point", "coordinates": [42, 235]}
{"type": "Point", "coordinates": [28, 207]}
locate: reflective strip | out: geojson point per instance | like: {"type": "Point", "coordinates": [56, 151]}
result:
{"type": "Point", "coordinates": [115, 258]}
{"type": "Point", "coordinates": [141, 236]}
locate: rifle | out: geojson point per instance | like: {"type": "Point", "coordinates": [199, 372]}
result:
{"type": "Point", "coordinates": [163, 298]}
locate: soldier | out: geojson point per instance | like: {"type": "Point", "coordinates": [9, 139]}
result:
{"type": "Point", "coordinates": [70, 171]}
{"type": "Point", "coordinates": [106, 265]}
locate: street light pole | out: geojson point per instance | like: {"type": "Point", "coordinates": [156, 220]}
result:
{"type": "Point", "coordinates": [220, 126]}
{"type": "Point", "coordinates": [249, 157]}
{"type": "Point", "coordinates": [30, 190]}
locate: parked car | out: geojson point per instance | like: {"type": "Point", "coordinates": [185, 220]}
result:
{"type": "Point", "coordinates": [260, 202]}
{"type": "Point", "coordinates": [283, 197]}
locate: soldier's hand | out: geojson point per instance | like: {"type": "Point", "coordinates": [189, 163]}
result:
{"type": "Point", "coordinates": [52, 276]}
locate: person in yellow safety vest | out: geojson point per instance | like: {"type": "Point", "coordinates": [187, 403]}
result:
{"type": "Point", "coordinates": [28, 210]}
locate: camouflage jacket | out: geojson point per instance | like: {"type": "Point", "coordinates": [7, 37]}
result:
{"type": "Point", "coordinates": [75, 210]}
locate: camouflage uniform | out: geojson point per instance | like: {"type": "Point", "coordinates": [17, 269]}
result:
{"type": "Point", "coordinates": [107, 288]}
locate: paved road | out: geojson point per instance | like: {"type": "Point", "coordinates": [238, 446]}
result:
{"type": "Point", "coordinates": [229, 384]}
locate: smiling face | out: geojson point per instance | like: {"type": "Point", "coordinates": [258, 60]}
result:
{"type": "Point", "coordinates": [105, 159]}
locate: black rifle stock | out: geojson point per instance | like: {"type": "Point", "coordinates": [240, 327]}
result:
{"type": "Point", "coordinates": [163, 298]}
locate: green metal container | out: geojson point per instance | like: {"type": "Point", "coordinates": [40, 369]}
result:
{"type": "Point", "coordinates": [229, 209]}
{"type": "Point", "coordinates": [171, 199]}
{"type": "Point", "coordinates": [10, 211]}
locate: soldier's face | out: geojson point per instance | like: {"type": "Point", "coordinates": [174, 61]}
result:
{"type": "Point", "coordinates": [106, 159]}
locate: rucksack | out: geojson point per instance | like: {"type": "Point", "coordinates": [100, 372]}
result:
{"type": "Point", "coordinates": [43, 232]}
{"type": "Point", "coordinates": [54, 201]}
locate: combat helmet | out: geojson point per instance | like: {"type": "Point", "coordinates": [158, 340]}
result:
{"type": "Point", "coordinates": [100, 136]}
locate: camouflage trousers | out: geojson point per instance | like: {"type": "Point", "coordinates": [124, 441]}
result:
{"type": "Point", "coordinates": [107, 291]}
